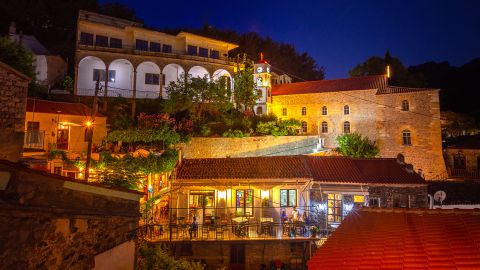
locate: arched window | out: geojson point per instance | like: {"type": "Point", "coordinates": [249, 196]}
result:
{"type": "Point", "coordinates": [346, 127]}
{"type": "Point", "coordinates": [405, 105]}
{"type": "Point", "coordinates": [304, 110]}
{"type": "Point", "coordinates": [406, 137]}
{"type": "Point", "coordinates": [304, 127]}
{"type": "Point", "coordinates": [346, 109]}
{"type": "Point", "coordinates": [259, 110]}
{"type": "Point", "coordinates": [324, 110]}
{"type": "Point", "coordinates": [324, 127]}
{"type": "Point", "coordinates": [284, 111]}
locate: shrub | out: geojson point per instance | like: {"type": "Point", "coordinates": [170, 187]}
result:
{"type": "Point", "coordinates": [235, 134]}
{"type": "Point", "coordinates": [265, 128]}
{"type": "Point", "coordinates": [354, 145]}
{"type": "Point", "coordinates": [205, 131]}
{"type": "Point", "coordinates": [291, 126]}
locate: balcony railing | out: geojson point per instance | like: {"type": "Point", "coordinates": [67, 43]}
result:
{"type": "Point", "coordinates": [34, 139]}
{"type": "Point", "coordinates": [464, 173]}
{"type": "Point", "coordinates": [117, 92]}
{"type": "Point", "coordinates": [172, 54]}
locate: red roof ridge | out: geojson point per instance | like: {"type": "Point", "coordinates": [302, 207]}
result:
{"type": "Point", "coordinates": [419, 210]}
{"type": "Point", "coordinates": [69, 108]}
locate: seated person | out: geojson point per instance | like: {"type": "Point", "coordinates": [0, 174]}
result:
{"type": "Point", "coordinates": [295, 214]}
{"type": "Point", "coordinates": [284, 217]}
{"type": "Point", "coordinates": [193, 227]}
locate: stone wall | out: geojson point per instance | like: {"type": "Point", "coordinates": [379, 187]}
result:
{"type": "Point", "coordinates": [52, 222]}
{"type": "Point", "coordinates": [423, 120]}
{"type": "Point", "coordinates": [13, 103]}
{"type": "Point", "coordinates": [413, 196]}
{"type": "Point", "coordinates": [202, 147]}
{"type": "Point", "coordinates": [217, 254]}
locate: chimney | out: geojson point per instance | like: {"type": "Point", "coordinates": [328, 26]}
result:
{"type": "Point", "coordinates": [12, 30]}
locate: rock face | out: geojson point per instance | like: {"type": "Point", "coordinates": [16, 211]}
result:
{"type": "Point", "coordinates": [53, 222]}
{"type": "Point", "coordinates": [13, 103]}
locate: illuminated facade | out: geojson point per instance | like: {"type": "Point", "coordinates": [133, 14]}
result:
{"type": "Point", "coordinates": [135, 62]}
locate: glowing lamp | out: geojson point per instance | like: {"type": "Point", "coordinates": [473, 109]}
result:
{"type": "Point", "coordinates": [150, 188]}
{"type": "Point", "coordinates": [322, 206]}
{"type": "Point", "coordinates": [348, 207]}
{"type": "Point", "coordinates": [222, 194]}
{"type": "Point", "coordinates": [265, 194]}
{"type": "Point", "coordinates": [88, 123]}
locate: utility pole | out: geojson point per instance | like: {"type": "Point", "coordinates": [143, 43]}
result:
{"type": "Point", "coordinates": [89, 126]}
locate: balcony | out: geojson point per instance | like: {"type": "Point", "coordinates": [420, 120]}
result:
{"type": "Point", "coordinates": [223, 60]}
{"type": "Point", "coordinates": [118, 92]}
{"type": "Point", "coordinates": [464, 173]}
{"type": "Point", "coordinates": [34, 140]}
{"type": "Point", "coordinates": [221, 228]}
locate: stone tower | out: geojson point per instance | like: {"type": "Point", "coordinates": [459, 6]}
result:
{"type": "Point", "coordinates": [263, 84]}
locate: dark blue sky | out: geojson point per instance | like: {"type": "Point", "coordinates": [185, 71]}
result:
{"type": "Point", "coordinates": [338, 34]}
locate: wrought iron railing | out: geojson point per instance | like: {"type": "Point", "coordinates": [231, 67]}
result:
{"type": "Point", "coordinates": [464, 173]}
{"type": "Point", "coordinates": [34, 139]}
{"type": "Point", "coordinates": [118, 92]}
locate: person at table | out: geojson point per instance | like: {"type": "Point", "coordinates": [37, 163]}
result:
{"type": "Point", "coordinates": [193, 227]}
{"type": "Point", "coordinates": [284, 217]}
{"type": "Point", "coordinates": [304, 218]}
{"type": "Point", "coordinates": [295, 214]}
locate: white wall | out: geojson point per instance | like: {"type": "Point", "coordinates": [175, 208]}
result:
{"type": "Point", "coordinates": [85, 82]}
{"type": "Point", "coordinates": [172, 72]}
{"type": "Point", "coordinates": [123, 84]}
{"type": "Point", "coordinates": [147, 90]}
{"type": "Point", "coordinates": [198, 72]}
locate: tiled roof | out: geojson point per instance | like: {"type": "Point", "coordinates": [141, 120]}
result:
{"type": "Point", "coordinates": [398, 90]}
{"type": "Point", "coordinates": [349, 84]}
{"type": "Point", "coordinates": [403, 239]}
{"type": "Point", "coordinates": [277, 167]}
{"type": "Point", "coordinates": [318, 168]}
{"type": "Point", "coordinates": [360, 170]}
{"type": "Point", "coordinates": [456, 192]}
{"type": "Point", "coordinates": [55, 107]}
{"type": "Point", "coordinates": [32, 43]}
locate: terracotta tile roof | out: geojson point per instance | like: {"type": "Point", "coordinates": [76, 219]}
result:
{"type": "Point", "coordinates": [398, 90]}
{"type": "Point", "coordinates": [348, 84]}
{"type": "Point", "coordinates": [318, 168]}
{"type": "Point", "coordinates": [277, 167]}
{"type": "Point", "coordinates": [403, 239]}
{"type": "Point", "coordinates": [47, 106]}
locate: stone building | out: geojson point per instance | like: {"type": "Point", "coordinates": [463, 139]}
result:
{"type": "Point", "coordinates": [402, 121]}
{"type": "Point", "coordinates": [52, 222]}
{"type": "Point", "coordinates": [13, 101]}
{"type": "Point", "coordinates": [463, 157]}
{"type": "Point", "coordinates": [133, 61]}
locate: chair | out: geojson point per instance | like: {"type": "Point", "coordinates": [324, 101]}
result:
{"type": "Point", "coordinates": [205, 231]}
{"type": "Point", "coordinates": [219, 232]}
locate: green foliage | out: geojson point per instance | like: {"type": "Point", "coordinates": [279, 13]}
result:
{"type": "Point", "coordinates": [53, 154]}
{"type": "Point", "coordinates": [144, 135]}
{"type": "Point", "coordinates": [282, 128]}
{"type": "Point", "coordinates": [235, 134]}
{"type": "Point", "coordinates": [17, 56]}
{"type": "Point", "coordinates": [399, 74]}
{"type": "Point", "coordinates": [151, 258]}
{"type": "Point", "coordinates": [266, 128]}
{"type": "Point", "coordinates": [205, 131]}
{"type": "Point", "coordinates": [291, 126]}
{"type": "Point", "coordinates": [197, 96]}
{"type": "Point", "coordinates": [354, 145]}
{"type": "Point", "coordinates": [245, 94]}
{"type": "Point", "coordinates": [67, 83]}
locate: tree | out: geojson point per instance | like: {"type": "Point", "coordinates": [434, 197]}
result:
{"type": "Point", "coordinates": [16, 56]}
{"type": "Point", "coordinates": [197, 95]}
{"type": "Point", "coordinates": [400, 76]}
{"type": "Point", "coordinates": [354, 145]}
{"type": "Point", "coordinates": [244, 91]}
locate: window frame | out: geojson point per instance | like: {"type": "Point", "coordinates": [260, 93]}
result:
{"type": "Point", "coordinates": [346, 110]}
{"type": "Point", "coordinates": [190, 50]}
{"type": "Point", "coordinates": [141, 45]}
{"type": "Point", "coordinates": [167, 48]}
{"type": "Point", "coordinates": [337, 213]}
{"type": "Point", "coordinates": [202, 52]}
{"type": "Point", "coordinates": [155, 46]}
{"type": "Point", "coordinates": [284, 111]}
{"type": "Point", "coordinates": [347, 126]}
{"type": "Point", "coordinates": [406, 137]}
{"type": "Point", "coordinates": [304, 111]}
{"type": "Point", "coordinates": [152, 79]}
{"type": "Point", "coordinates": [244, 207]}
{"type": "Point", "coordinates": [101, 41]}
{"type": "Point", "coordinates": [87, 39]}
{"type": "Point", "coordinates": [116, 43]}
{"type": "Point", "coordinates": [324, 110]}
{"type": "Point", "coordinates": [304, 125]}
{"type": "Point", "coordinates": [324, 127]}
{"type": "Point", "coordinates": [214, 54]}
{"type": "Point", "coordinates": [405, 105]}
{"type": "Point", "coordinates": [288, 204]}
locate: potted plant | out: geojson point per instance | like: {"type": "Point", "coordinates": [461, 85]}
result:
{"type": "Point", "coordinates": [313, 231]}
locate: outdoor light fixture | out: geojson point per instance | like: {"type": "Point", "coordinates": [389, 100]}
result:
{"type": "Point", "coordinates": [348, 207]}
{"type": "Point", "coordinates": [265, 194]}
{"type": "Point", "coordinates": [222, 194]}
{"type": "Point", "coordinates": [88, 123]}
{"type": "Point", "coordinates": [322, 206]}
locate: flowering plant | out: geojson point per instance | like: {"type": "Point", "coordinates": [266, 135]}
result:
{"type": "Point", "coordinates": [314, 229]}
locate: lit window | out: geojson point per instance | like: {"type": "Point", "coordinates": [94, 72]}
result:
{"type": "Point", "coordinates": [346, 109]}
{"type": "Point", "coordinates": [406, 137]}
{"type": "Point", "coordinates": [324, 127]}
{"type": "Point", "coordinates": [304, 127]}
{"type": "Point", "coordinates": [324, 110]}
{"type": "Point", "coordinates": [304, 110]}
{"type": "Point", "coordinates": [346, 127]}
{"type": "Point", "coordinates": [405, 106]}
{"type": "Point", "coordinates": [244, 202]}
{"type": "Point", "coordinates": [288, 197]}
{"type": "Point", "coordinates": [152, 79]}
{"type": "Point", "coordinates": [284, 111]}
{"type": "Point", "coordinates": [358, 198]}
{"type": "Point", "coordinates": [334, 204]}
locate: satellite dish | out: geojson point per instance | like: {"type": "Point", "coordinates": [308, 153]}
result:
{"type": "Point", "coordinates": [439, 196]}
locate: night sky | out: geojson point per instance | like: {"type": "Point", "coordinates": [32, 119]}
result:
{"type": "Point", "coordinates": [338, 34]}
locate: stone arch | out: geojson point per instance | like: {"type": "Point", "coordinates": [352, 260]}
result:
{"type": "Point", "coordinates": [148, 80]}
{"type": "Point", "coordinates": [222, 73]}
{"type": "Point", "coordinates": [120, 78]}
{"type": "Point", "coordinates": [89, 68]}
{"type": "Point", "coordinates": [171, 73]}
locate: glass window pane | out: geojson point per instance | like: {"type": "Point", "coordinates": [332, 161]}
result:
{"type": "Point", "coordinates": [283, 197]}
{"type": "Point", "coordinates": [292, 197]}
